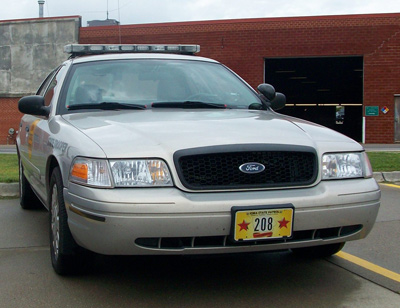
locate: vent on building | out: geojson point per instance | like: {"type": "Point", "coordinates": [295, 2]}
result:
{"type": "Point", "coordinates": [107, 22]}
{"type": "Point", "coordinates": [41, 4]}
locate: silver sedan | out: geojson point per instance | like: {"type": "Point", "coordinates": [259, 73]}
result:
{"type": "Point", "coordinates": [148, 149]}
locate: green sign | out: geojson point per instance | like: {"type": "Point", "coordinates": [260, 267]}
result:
{"type": "Point", "coordinates": [372, 111]}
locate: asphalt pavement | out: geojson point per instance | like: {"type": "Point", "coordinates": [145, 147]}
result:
{"type": "Point", "coordinates": [276, 279]}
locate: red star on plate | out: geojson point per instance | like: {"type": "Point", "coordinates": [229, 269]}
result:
{"type": "Point", "coordinates": [283, 223]}
{"type": "Point", "coordinates": [244, 225]}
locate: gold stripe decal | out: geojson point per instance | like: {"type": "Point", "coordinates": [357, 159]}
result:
{"type": "Point", "coordinates": [31, 136]}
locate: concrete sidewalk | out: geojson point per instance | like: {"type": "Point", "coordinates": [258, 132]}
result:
{"type": "Point", "coordinates": [375, 147]}
{"type": "Point", "coordinates": [8, 149]}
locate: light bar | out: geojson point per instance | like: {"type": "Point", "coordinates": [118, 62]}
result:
{"type": "Point", "coordinates": [86, 49]}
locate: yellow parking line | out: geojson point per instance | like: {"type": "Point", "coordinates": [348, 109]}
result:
{"type": "Point", "coordinates": [370, 266]}
{"type": "Point", "coordinates": [392, 185]}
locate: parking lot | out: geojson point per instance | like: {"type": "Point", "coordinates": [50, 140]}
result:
{"type": "Point", "coordinates": [365, 274]}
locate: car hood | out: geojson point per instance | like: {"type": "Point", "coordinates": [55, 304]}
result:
{"type": "Point", "coordinates": [161, 132]}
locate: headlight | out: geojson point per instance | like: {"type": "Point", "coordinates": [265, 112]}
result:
{"type": "Point", "coordinates": [140, 172]}
{"type": "Point", "coordinates": [91, 172]}
{"type": "Point", "coordinates": [345, 165]}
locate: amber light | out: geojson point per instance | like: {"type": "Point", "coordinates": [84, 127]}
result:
{"type": "Point", "coordinates": [80, 171]}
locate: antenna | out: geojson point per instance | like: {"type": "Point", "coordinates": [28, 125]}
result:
{"type": "Point", "coordinates": [119, 24]}
{"type": "Point", "coordinates": [107, 9]}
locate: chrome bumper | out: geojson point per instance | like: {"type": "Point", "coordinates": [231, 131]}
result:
{"type": "Point", "coordinates": [140, 221]}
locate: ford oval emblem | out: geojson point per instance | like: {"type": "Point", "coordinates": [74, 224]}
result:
{"type": "Point", "coordinates": [252, 168]}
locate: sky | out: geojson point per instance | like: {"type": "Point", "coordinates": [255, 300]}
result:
{"type": "Point", "coordinates": [157, 11]}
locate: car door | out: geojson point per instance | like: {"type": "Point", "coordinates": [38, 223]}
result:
{"type": "Point", "coordinates": [34, 146]}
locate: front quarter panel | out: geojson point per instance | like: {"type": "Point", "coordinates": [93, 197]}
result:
{"type": "Point", "coordinates": [66, 143]}
{"type": "Point", "coordinates": [46, 143]}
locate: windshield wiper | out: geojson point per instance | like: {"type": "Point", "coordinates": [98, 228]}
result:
{"type": "Point", "coordinates": [188, 105]}
{"type": "Point", "coordinates": [106, 106]}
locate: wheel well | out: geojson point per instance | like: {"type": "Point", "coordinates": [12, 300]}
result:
{"type": "Point", "coordinates": [51, 164]}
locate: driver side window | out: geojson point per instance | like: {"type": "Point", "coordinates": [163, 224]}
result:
{"type": "Point", "coordinates": [48, 86]}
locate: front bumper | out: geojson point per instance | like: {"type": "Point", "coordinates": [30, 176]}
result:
{"type": "Point", "coordinates": [132, 221]}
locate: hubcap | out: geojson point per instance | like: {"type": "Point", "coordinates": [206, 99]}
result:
{"type": "Point", "coordinates": [55, 221]}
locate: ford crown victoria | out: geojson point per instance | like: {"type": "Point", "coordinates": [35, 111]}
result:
{"type": "Point", "coordinates": [151, 150]}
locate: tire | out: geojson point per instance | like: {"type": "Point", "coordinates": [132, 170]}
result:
{"type": "Point", "coordinates": [27, 198]}
{"type": "Point", "coordinates": [322, 251]}
{"type": "Point", "coordinates": [66, 256]}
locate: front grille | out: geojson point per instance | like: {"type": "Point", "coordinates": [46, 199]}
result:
{"type": "Point", "coordinates": [218, 167]}
{"type": "Point", "coordinates": [224, 241]}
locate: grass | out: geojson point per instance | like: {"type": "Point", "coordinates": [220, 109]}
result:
{"type": "Point", "coordinates": [385, 161]}
{"type": "Point", "coordinates": [8, 168]}
{"type": "Point", "coordinates": [380, 161]}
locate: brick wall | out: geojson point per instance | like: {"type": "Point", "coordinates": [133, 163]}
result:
{"type": "Point", "coordinates": [381, 83]}
{"type": "Point", "coordinates": [243, 44]}
{"type": "Point", "coordinates": [9, 118]}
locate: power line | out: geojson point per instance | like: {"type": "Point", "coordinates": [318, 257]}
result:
{"type": "Point", "coordinates": [122, 6]}
{"type": "Point", "coordinates": [47, 7]}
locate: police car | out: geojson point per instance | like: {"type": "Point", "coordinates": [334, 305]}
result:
{"type": "Point", "coordinates": [151, 150]}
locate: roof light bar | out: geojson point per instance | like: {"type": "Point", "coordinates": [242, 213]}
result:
{"type": "Point", "coordinates": [86, 49]}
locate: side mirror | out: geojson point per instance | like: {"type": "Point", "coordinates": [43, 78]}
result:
{"type": "Point", "coordinates": [267, 90]}
{"type": "Point", "coordinates": [277, 100]}
{"type": "Point", "coordinates": [33, 105]}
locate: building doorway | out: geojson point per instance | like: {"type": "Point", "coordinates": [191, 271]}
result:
{"type": "Point", "coordinates": [324, 90]}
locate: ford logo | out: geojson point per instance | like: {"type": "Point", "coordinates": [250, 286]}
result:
{"type": "Point", "coordinates": [252, 168]}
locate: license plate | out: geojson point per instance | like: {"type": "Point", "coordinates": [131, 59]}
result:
{"type": "Point", "coordinates": [262, 223]}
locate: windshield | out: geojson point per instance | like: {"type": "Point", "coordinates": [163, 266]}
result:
{"type": "Point", "coordinates": [153, 83]}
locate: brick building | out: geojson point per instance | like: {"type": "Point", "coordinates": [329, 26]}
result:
{"type": "Point", "coordinates": [340, 71]}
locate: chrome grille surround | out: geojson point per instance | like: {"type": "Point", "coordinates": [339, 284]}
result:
{"type": "Point", "coordinates": [218, 168]}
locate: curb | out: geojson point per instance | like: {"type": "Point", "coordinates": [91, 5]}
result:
{"type": "Point", "coordinates": [387, 176]}
{"type": "Point", "coordinates": [9, 189]}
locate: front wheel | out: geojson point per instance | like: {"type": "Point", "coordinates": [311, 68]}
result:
{"type": "Point", "coordinates": [66, 256]}
{"type": "Point", "coordinates": [318, 251]}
